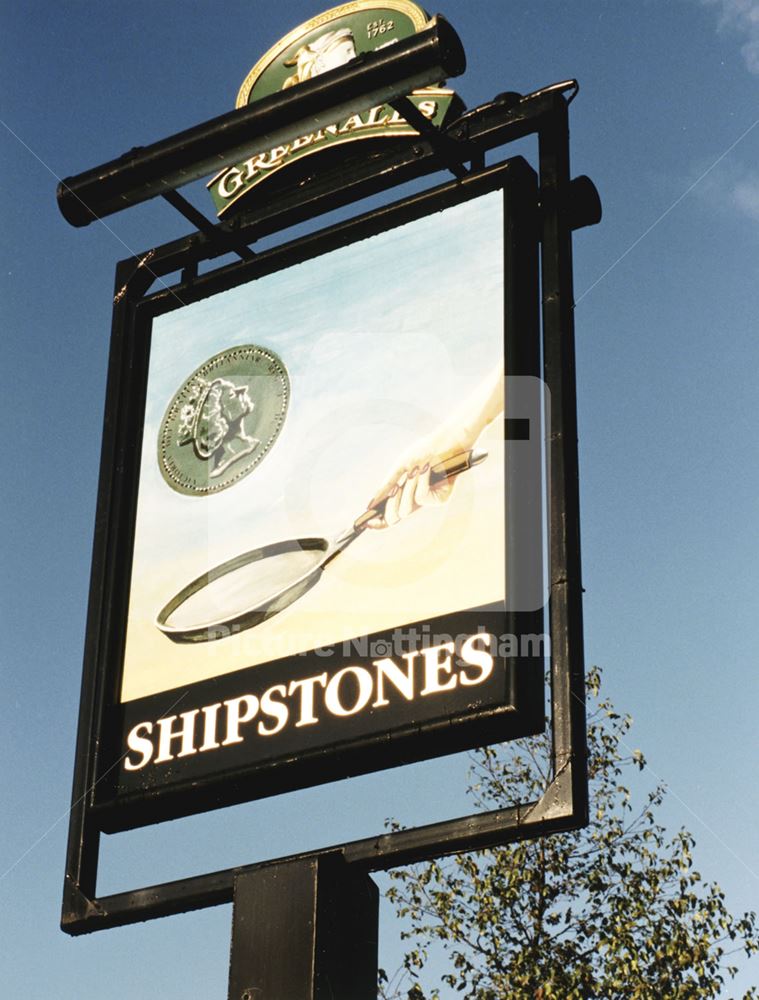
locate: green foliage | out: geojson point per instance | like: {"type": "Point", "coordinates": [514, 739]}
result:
{"type": "Point", "coordinates": [613, 911]}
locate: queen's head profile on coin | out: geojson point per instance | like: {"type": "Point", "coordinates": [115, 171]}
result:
{"type": "Point", "coordinates": [223, 420]}
{"type": "Point", "coordinates": [215, 426]}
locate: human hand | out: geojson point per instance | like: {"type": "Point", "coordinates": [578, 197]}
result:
{"type": "Point", "coordinates": [413, 484]}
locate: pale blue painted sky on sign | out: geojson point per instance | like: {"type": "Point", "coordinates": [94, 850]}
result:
{"type": "Point", "coordinates": [667, 288]}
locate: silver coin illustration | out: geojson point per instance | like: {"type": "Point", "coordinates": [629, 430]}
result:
{"type": "Point", "coordinates": [223, 420]}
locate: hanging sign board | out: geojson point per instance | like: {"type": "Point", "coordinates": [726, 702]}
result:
{"type": "Point", "coordinates": [332, 39]}
{"type": "Point", "coordinates": [326, 555]}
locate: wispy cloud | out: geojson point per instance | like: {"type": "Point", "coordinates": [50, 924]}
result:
{"type": "Point", "coordinates": [742, 17]}
{"type": "Point", "coordinates": [746, 195]}
{"type": "Point", "coordinates": [732, 189]}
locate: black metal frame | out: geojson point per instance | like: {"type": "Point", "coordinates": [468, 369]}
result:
{"type": "Point", "coordinates": [564, 804]}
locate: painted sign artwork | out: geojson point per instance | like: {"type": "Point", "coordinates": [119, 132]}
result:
{"type": "Point", "coordinates": [285, 410]}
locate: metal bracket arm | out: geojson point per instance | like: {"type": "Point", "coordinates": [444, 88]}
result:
{"type": "Point", "coordinates": [448, 149]}
{"type": "Point", "coordinates": [221, 239]}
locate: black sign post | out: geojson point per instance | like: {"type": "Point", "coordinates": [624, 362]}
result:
{"type": "Point", "coordinates": [306, 926]}
{"type": "Point", "coordinates": [304, 929]}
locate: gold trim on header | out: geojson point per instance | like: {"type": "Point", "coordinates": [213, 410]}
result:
{"type": "Point", "coordinates": [411, 10]}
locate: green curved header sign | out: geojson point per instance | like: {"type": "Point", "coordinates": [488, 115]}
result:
{"type": "Point", "coordinates": [325, 42]}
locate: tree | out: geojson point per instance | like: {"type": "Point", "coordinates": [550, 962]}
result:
{"type": "Point", "coordinates": [615, 911]}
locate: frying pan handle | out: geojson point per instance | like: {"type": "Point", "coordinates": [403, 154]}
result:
{"type": "Point", "coordinates": [447, 469]}
{"type": "Point", "coordinates": [456, 464]}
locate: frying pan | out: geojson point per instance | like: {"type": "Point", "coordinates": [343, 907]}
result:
{"type": "Point", "coordinates": [283, 571]}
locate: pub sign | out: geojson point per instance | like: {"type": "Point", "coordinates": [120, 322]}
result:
{"type": "Point", "coordinates": [326, 553]}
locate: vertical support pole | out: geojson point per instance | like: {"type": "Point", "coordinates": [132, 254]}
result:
{"type": "Point", "coordinates": [304, 929]}
{"type": "Point", "coordinates": [79, 886]}
{"type": "Point", "coordinates": [568, 689]}
{"type": "Point", "coordinates": [133, 278]}
{"type": "Point", "coordinates": [524, 503]}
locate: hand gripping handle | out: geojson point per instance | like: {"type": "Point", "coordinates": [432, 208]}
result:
{"type": "Point", "coordinates": [447, 469]}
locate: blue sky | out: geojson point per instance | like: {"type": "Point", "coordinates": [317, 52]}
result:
{"type": "Point", "coordinates": [667, 290]}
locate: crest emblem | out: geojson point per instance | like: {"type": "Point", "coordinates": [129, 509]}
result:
{"type": "Point", "coordinates": [328, 51]}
